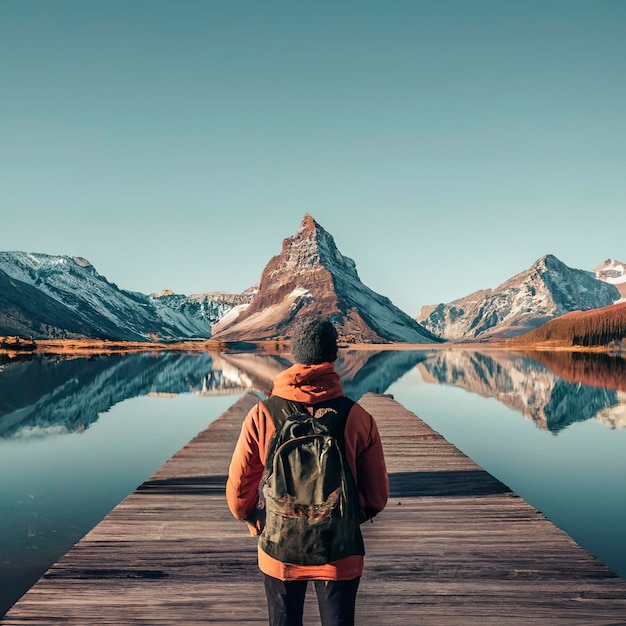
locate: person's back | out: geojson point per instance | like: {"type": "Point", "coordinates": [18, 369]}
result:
{"type": "Point", "coordinates": [308, 493]}
{"type": "Point", "coordinates": [312, 386]}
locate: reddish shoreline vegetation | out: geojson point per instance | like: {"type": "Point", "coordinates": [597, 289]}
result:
{"type": "Point", "coordinates": [603, 328]}
{"type": "Point", "coordinates": [17, 344]}
{"type": "Point", "coordinates": [107, 346]}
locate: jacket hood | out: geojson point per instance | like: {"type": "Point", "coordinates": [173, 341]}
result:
{"type": "Point", "coordinates": [308, 383]}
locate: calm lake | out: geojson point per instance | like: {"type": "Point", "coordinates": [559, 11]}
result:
{"type": "Point", "coordinates": [77, 435]}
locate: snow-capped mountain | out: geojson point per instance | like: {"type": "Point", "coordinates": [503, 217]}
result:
{"type": "Point", "coordinates": [26, 311]}
{"type": "Point", "coordinates": [310, 275]}
{"type": "Point", "coordinates": [207, 307]}
{"type": "Point", "coordinates": [47, 296]}
{"type": "Point", "coordinates": [547, 289]}
{"type": "Point", "coordinates": [614, 273]}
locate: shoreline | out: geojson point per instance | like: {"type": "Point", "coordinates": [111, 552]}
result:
{"type": "Point", "coordinates": [104, 346]}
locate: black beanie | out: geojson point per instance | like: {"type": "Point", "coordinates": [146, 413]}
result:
{"type": "Point", "coordinates": [314, 340]}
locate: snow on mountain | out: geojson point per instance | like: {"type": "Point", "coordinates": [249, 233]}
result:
{"type": "Point", "coordinates": [25, 311]}
{"type": "Point", "coordinates": [48, 296]}
{"type": "Point", "coordinates": [611, 271]}
{"type": "Point", "coordinates": [614, 273]}
{"type": "Point", "coordinates": [310, 275]}
{"type": "Point", "coordinates": [205, 308]}
{"type": "Point", "coordinates": [547, 289]}
{"type": "Point", "coordinates": [86, 304]}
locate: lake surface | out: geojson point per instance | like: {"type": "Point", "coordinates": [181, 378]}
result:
{"type": "Point", "coordinates": [77, 435]}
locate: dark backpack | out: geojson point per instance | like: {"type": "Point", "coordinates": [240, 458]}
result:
{"type": "Point", "coordinates": [308, 491]}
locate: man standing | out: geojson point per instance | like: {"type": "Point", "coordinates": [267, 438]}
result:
{"type": "Point", "coordinates": [312, 385]}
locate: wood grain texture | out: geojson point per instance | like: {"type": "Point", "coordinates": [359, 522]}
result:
{"type": "Point", "coordinates": [453, 547]}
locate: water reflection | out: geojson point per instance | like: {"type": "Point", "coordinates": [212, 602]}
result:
{"type": "Point", "coordinates": [587, 368]}
{"type": "Point", "coordinates": [42, 396]}
{"type": "Point", "coordinates": [361, 371]}
{"type": "Point", "coordinates": [552, 389]}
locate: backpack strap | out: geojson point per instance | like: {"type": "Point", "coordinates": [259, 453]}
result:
{"type": "Point", "coordinates": [280, 409]}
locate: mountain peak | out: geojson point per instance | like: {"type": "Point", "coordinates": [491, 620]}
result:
{"type": "Point", "coordinates": [308, 223]}
{"type": "Point", "coordinates": [611, 266]}
{"type": "Point", "coordinates": [614, 272]}
{"type": "Point", "coordinates": [311, 276]}
{"type": "Point", "coordinates": [547, 289]}
{"type": "Point", "coordinates": [311, 246]}
{"type": "Point", "coordinates": [310, 228]}
{"type": "Point", "coordinates": [548, 261]}
{"type": "Point", "coordinates": [79, 260]}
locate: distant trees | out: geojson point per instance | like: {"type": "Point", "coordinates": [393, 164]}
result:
{"type": "Point", "coordinates": [598, 327]}
{"type": "Point", "coordinates": [590, 331]}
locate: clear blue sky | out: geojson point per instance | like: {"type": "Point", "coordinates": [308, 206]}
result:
{"type": "Point", "coordinates": [446, 145]}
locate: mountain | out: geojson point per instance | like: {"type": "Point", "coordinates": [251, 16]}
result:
{"type": "Point", "coordinates": [614, 273]}
{"type": "Point", "coordinates": [310, 275]}
{"type": "Point", "coordinates": [47, 296]}
{"type": "Point", "coordinates": [27, 311]}
{"type": "Point", "coordinates": [547, 289]}
{"type": "Point", "coordinates": [208, 308]}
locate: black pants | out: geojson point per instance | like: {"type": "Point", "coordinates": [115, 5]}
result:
{"type": "Point", "coordinates": [336, 600]}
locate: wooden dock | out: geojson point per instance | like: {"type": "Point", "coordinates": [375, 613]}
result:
{"type": "Point", "coordinates": [453, 547]}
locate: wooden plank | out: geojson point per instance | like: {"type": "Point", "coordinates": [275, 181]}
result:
{"type": "Point", "coordinates": [454, 546]}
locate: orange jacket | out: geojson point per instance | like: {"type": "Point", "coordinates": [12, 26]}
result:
{"type": "Point", "coordinates": [309, 384]}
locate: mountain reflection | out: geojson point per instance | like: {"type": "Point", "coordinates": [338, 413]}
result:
{"type": "Point", "coordinates": [42, 396]}
{"type": "Point", "coordinates": [552, 389]}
